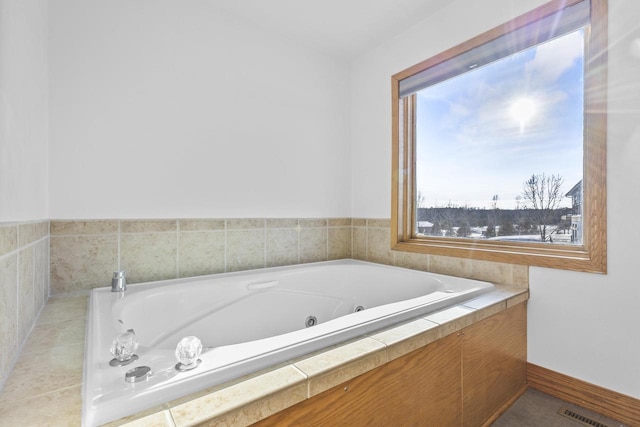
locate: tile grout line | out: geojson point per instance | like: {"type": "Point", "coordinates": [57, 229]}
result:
{"type": "Point", "coordinates": [119, 267]}
{"type": "Point", "coordinates": [177, 248]}
{"type": "Point", "coordinates": [264, 242]}
{"type": "Point", "coordinates": [225, 246]}
{"type": "Point", "coordinates": [18, 345]}
{"type": "Point", "coordinates": [299, 231]}
{"type": "Point", "coordinates": [325, 232]}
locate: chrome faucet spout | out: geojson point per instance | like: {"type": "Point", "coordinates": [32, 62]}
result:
{"type": "Point", "coordinates": [119, 281]}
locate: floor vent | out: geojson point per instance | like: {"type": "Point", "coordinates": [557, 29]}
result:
{"type": "Point", "coordinates": [580, 418]}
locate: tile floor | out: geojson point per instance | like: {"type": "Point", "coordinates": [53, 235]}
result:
{"type": "Point", "coordinates": [535, 409]}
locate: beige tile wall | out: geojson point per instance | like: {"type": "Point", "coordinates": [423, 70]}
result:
{"type": "Point", "coordinates": [85, 253]}
{"type": "Point", "coordinates": [24, 285]}
{"type": "Point", "coordinates": [371, 241]}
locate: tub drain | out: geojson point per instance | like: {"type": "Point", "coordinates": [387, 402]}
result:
{"type": "Point", "coordinates": [359, 308]}
{"type": "Point", "coordinates": [311, 321]}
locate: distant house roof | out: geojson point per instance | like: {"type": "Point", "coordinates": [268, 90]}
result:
{"type": "Point", "coordinates": [577, 189]}
{"type": "Point", "coordinates": [425, 224]}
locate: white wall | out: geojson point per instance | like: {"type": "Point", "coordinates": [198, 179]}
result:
{"type": "Point", "coordinates": [586, 325]}
{"type": "Point", "coordinates": [23, 110]}
{"type": "Point", "coordinates": [161, 108]}
{"type": "Point", "coordinates": [582, 325]}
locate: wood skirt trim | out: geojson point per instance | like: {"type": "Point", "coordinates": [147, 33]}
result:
{"type": "Point", "coordinates": [609, 403]}
{"type": "Point", "coordinates": [506, 406]}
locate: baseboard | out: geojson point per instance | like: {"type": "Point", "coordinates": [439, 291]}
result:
{"type": "Point", "coordinates": [609, 403]}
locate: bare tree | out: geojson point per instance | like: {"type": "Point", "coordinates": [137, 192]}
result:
{"type": "Point", "coordinates": [493, 218]}
{"type": "Point", "coordinates": [542, 193]}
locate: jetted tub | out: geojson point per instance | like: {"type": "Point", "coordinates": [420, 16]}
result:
{"type": "Point", "coordinates": [246, 321]}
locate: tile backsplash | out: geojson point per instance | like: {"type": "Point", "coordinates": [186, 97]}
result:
{"type": "Point", "coordinates": [372, 242]}
{"type": "Point", "coordinates": [24, 285]}
{"type": "Point", "coordinates": [85, 253]}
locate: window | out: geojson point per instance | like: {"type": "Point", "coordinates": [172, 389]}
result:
{"type": "Point", "coordinates": [499, 144]}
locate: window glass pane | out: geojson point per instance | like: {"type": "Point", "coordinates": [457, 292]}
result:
{"type": "Point", "coordinates": [499, 149]}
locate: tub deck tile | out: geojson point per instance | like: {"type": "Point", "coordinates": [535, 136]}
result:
{"type": "Point", "coordinates": [245, 402]}
{"type": "Point", "coordinates": [61, 308]}
{"type": "Point", "coordinates": [43, 372]}
{"type": "Point", "coordinates": [61, 407]}
{"type": "Point", "coordinates": [330, 368]}
{"type": "Point", "coordinates": [486, 300]}
{"type": "Point", "coordinates": [45, 336]}
{"type": "Point", "coordinates": [517, 299]}
{"type": "Point", "coordinates": [451, 319]}
{"type": "Point", "coordinates": [500, 295]}
{"type": "Point", "coordinates": [157, 419]}
{"type": "Point", "coordinates": [152, 417]}
{"type": "Point", "coordinates": [405, 338]}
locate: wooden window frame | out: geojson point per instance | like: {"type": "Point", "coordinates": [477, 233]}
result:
{"type": "Point", "coordinates": [591, 256]}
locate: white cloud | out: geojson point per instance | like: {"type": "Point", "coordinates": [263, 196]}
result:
{"type": "Point", "coordinates": [555, 57]}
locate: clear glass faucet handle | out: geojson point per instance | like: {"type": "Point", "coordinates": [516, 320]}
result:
{"type": "Point", "coordinates": [124, 345]}
{"type": "Point", "coordinates": [188, 351]}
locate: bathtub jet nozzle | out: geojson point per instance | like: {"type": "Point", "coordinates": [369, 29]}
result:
{"type": "Point", "coordinates": [311, 321]}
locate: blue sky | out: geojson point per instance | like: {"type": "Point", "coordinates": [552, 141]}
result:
{"type": "Point", "coordinates": [469, 145]}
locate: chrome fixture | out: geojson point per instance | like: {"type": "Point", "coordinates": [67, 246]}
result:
{"type": "Point", "coordinates": [119, 281]}
{"type": "Point", "coordinates": [187, 352]}
{"type": "Point", "coordinates": [137, 374]}
{"type": "Point", "coordinates": [123, 348]}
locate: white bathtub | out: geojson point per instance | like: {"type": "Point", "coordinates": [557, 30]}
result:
{"type": "Point", "coordinates": [246, 321]}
